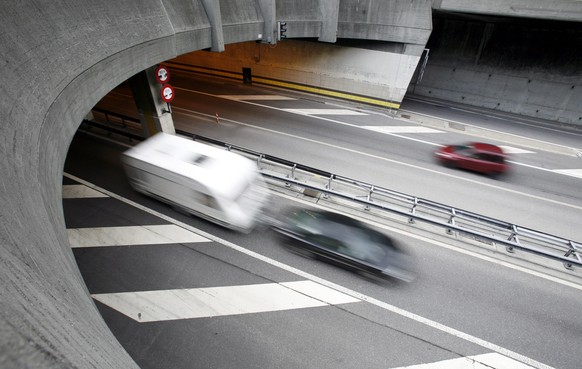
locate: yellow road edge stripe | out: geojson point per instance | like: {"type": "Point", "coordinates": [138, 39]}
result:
{"type": "Point", "coordinates": [294, 86]}
{"type": "Point", "coordinates": [321, 91]}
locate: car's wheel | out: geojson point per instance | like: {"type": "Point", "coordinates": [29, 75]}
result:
{"type": "Point", "coordinates": [450, 164]}
{"type": "Point", "coordinates": [495, 175]}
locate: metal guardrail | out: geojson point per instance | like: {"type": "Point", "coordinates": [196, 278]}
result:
{"type": "Point", "coordinates": [120, 120]}
{"type": "Point", "coordinates": [383, 202]}
{"type": "Point", "coordinates": [415, 209]}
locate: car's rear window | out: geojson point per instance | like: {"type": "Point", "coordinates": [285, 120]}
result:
{"type": "Point", "coordinates": [364, 245]}
{"type": "Point", "coordinates": [357, 242]}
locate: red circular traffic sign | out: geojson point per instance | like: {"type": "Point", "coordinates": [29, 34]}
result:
{"type": "Point", "coordinates": [162, 74]}
{"type": "Point", "coordinates": [167, 93]}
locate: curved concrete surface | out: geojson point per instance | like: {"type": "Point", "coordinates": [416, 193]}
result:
{"type": "Point", "coordinates": [58, 59]}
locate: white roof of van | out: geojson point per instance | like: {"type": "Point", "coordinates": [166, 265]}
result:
{"type": "Point", "coordinates": [223, 171]}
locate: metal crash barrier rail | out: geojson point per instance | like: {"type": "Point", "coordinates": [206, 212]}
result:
{"type": "Point", "coordinates": [350, 193]}
{"type": "Point", "coordinates": [382, 203]}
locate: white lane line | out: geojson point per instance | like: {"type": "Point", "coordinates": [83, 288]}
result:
{"type": "Point", "coordinates": [422, 129]}
{"type": "Point", "coordinates": [402, 129]}
{"type": "Point", "coordinates": [485, 361]}
{"type": "Point", "coordinates": [513, 121]}
{"type": "Point", "coordinates": [80, 191]}
{"type": "Point", "coordinates": [255, 97]}
{"type": "Point", "coordinates": [508, 149]}
{"type": "Point", "coordinates": [187, 112]}
{"type": "Point", "coordinates": [570, 172]}
{"type": "Point", "coordinates": [444, 245]}
{"type": "Point", "coordinates": [566, 172]}
{"type": "Point", "coordinates": [153, 306]}
{"type": "Point", "coordinates": [436, 172]}
{"type": "Point", "coordinates": [348, 125]}
{"type": "Point", "coordinates": [131, 235]}
{"type": "Point", "coordinates": [515, 150]}
{"type": "Point", "coordinates": [324, 111]}
{"type": "Point", "coordinates": [381, 304]}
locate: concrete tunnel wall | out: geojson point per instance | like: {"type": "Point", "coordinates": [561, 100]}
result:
{"type": "Point", "coordinates": [375, 52]}
{"type": "Point", "coordinates": [530, 67]}
{"type": "Point", "coordinates": [363, 75]}
{"type": "Point", "coordinates": [58, 60]}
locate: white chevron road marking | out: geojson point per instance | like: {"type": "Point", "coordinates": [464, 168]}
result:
{"type": "Point", "coordinates": [355, 294]}
{"type": "Point", "coordinates": [131, 235]}
{"type": "Point", "coordinates": [485, 361]}
{"type": "Point", "coordinates": [80, 191]}
{"type": "Point", "coordinates": [150, 306]}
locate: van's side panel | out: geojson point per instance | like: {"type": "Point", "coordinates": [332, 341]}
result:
{"type": "Point", "coordinates": [181, 182]}
{"type": "Point", "coordinates": [170, 187]}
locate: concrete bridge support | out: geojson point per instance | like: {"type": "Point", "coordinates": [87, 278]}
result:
{"type": "Point", "coordinates": [58, 60]}
{"type": "Point", "coordinates": [154, 114]}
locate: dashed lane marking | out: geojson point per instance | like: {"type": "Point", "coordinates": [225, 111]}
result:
{"type": "Point", "coordinates": [570, 172]}
{"type": "Point", "coordinates": [131, 235]}
{"type": "Point", "coordinates": [485, 361]}
{"type": "Point", "coordinates": [307, 112]}
{"type": "Point", "coordinates": [352, 293]}
{"type": "Point", "coordinates": [515, 150]}
{"type": "Point", "coordinates": [402, 129]}
{"type": "Point", "coordinates": [324, 111]}
{"type": "Point", "coordinates": [153, 306]}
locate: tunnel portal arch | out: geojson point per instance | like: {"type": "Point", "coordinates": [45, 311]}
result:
{"type": "Point", "coordinates": [58, 60]}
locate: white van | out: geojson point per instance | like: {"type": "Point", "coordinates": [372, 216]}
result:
{"type": "Point", "coordinates": [212, 183]}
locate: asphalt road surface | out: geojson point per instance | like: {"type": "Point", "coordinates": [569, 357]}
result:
{"type": "Point", "coordinates": [291, 312]}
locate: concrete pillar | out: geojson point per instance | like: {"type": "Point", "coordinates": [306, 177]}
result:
{"type": "Point", "coordinates": [268, 11]}
{"type": "Point", "coordinates": [212, 8]}
{"type": "Point", "coordinates": [330, 17]}
{"type": "Point", "coordinates": [153, 112]}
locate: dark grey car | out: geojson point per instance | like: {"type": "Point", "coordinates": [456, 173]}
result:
{"type": "Point", "coordinates": [344, 241]}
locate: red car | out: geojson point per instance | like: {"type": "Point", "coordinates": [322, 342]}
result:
{"type": "Point", "coordinates": [477, 157]}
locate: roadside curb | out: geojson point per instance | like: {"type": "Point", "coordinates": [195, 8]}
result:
{"type": "Point", "coordinates": [456, 126]}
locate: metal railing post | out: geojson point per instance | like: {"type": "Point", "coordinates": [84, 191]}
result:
{"type": "Point", "coordinates": [513, 237]}
{"type": "Point", "coordinates": [413, 210]}
{"type": "Point", "coordinates": [451, 220]}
